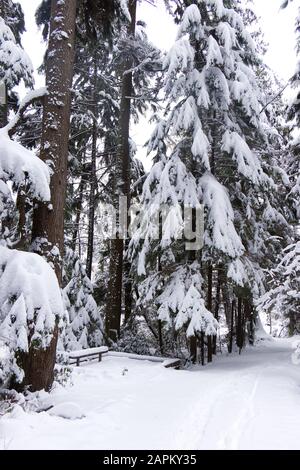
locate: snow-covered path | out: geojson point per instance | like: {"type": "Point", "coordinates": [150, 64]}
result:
{"type": "Point", "coordinates": [250, 401]}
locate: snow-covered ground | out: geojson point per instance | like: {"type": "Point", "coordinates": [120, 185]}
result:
{"type": "Point", "coordinates": [250, 401]}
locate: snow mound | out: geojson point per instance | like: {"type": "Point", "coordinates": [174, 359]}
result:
{"type": "Point", "coordinates": [67, 410]}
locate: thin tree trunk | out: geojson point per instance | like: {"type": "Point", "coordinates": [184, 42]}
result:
{"type": "Point", "coordinates": [249, 319]}
{"type": "Point", "coordinates": [4, 110]}
{"type": "Point", "coordinates": [240, 325]}
{"type": "Point", "coordinates": [21, 234]}
{"type": "Point", "coordinates": [114, 298]}
{"type": "Point", "coordinates": [48, 219]}
{"type": "Point", "coordinates": [193, 349]}
{"type": "Point", "coordinates": [160, 339]}
{"type": "Point", "coordinates": [231, 326]}
{"type": "Point", "coordinates": [209, 307]}
{"type": "Point", "coordinates": [217, 307]}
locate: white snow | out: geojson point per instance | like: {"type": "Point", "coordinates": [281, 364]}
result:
{"type": "Point", "coordinates": [28, 98]}
{"type": "Point", "coordinates": [67, 411]}
{"type": "Point", "coordinates": [247, 402]}
{"type": "Point", "coordinates": [19, 164]}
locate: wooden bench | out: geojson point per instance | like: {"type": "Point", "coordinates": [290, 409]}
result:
{"type": "Point", "coordinates": [87, 354]}
{"type": "Point", "coordinates": [76, 357]}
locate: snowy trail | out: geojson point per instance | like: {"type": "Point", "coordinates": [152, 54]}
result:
{"type": "Point", "coordinates": [250, 401]}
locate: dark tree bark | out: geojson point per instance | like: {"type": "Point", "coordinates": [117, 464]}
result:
{"type": "Point", "coordinates": [48, 219]}
{"type": "Point", "coordinates": [122, 187]}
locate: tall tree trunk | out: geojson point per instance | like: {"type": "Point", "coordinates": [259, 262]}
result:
{"type": "Point", "coordinates": [209, 300]}
{"type": "Point", "coordinates": [122, 187]}
{"type": "Point", "coordinates": [93, 180]}
{"type": "Point", "coordinates": [48, 219]}
{"type": "Point", "coordinates": [78, 209]}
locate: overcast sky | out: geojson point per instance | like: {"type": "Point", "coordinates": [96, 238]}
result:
{"type": "Point", "coordinates": [277, 25]}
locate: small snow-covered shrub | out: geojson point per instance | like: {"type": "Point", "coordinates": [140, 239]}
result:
{"type": "Point", "coordinates": [30, 307]}
{"type": "Point", "coordinates": [134, 339]}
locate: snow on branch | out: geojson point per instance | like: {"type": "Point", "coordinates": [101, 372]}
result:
{"type": "Point", "coordinates": [220, 232]}
{"type": "Point", "coordinates": [19, 164]}
{"type": "Point", "coordinates": [30, 98]}
{"type": "Point", "coordinates": [194, 312]}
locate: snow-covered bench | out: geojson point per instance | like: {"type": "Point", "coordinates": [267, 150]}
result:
{"type": "Point", "coordinates": [165, 361]}
{"type": "Point", "coordinates": [75, 357]}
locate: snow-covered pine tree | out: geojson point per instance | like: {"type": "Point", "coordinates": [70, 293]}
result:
{"type": "Point", "coordinates": [170, 294]}
{"type": "Point", "coordinates": [214, 108]}
{"type": "Point", "coordinates": [284, 297]}
{"type": "Point", "coordinates": [15, 66]}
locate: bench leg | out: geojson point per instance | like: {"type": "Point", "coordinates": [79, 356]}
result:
{"type": "Point", "coordinates": [77, 361]}
{"type": "Point", "coordinates": [100, 357]}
